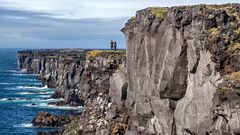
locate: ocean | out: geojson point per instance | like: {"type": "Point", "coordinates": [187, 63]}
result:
{"type": "Point", "coordinates": [21, 97]}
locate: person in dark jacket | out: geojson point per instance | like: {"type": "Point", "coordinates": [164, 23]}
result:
{"type": "Point", "coordinates": [115, 45]}
{"type": "Point", "coordinates": [111, 44]}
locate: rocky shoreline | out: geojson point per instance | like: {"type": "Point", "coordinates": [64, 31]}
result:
{"type": "Point", "coordinates": [180, 75]}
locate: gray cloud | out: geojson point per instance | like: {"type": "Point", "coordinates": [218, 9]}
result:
{"type": "Point", "coordinates": [28, 30]}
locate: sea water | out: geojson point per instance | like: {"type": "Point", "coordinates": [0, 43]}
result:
{"type": "Point", "coordinates": [21, 97]}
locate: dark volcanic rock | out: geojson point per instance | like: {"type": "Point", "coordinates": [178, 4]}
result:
{"type": "Point", "coordinates": [50, 133]}
{"type": "Point", "coordinates": [45, 119]}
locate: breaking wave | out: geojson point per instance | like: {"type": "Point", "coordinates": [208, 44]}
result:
{"type": "Point", "coordinates": [25, 125]}
{"type": "Point", "coordinates": [31, 87]}
{"type": "Point", "coordinates": [46, 106]}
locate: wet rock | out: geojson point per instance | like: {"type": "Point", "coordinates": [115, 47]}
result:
{"type": "Point", "coordinates": [45, 119]}
{"type": "Point", "coordinates": [72, 98]}
{"type": "Point", "coordinates": [50, 133]}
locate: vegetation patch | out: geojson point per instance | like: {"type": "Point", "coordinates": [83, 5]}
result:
{"type": "Point", "coordinates": [132, 20]}
{"type": "Point", "coordinates": [184, 8]}
{"type": "Point", "coordinates": [235, 76]}
{"type": "Point", "coordinates": [234, 47]}
{"type": "Point", "coordinates": [96, 53]}
{"type": "Point", "coordinates": [223, 90]}
{"type": "Point", "coordinates": [237, 31]}
{"type": "Point", "coordinates": [218, 7]}
{"type": "Point", "coordinates": [157, 12]}
{"type": "Point", "coordinates": [52, 57]}
{"type": "Point", "coordinates": [213, 33]}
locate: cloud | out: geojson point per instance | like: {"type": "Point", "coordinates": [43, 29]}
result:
{"type": "Point", "coordinates": [13, 35]}
{"type": "Point", "coordinates": [75, 9]}
{"type": "Point", "coordinates": [28, 30]}
{"type": "Point", "coordinates": [14, 17]}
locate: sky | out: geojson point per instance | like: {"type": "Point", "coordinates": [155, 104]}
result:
{"type": "Point", "coordinates": [73, 23]}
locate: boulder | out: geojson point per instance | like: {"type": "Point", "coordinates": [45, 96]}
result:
{"type": "Point", "coordinates": [45, 119]}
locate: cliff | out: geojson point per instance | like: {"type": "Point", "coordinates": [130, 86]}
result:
{"type": "Point", "coordinates": [178, 60]}
{"type": "Point", "coordinates": [76, 74]}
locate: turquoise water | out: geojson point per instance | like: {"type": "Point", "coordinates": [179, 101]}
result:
{"type": "Point", "coordinates": [21, 97]}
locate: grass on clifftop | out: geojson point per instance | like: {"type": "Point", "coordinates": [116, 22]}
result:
{"type": "Point", "coordinates": [157, 12]}
{"type": "Point", "coordinates": [217, 7]}
{"type": "Point", "coordinates": [133, 19]}
{"type": "Point", "coordinates": [95, 53]}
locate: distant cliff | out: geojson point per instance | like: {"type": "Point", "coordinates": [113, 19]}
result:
{"type": "Point", "coordinates": [76, 74]}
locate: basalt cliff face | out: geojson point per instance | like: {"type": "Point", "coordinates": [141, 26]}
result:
{"type": "Point", "coordinates": [76, 74]}
{"type": "Point", "coordinates": [181, 75]}
{"type": "Point", "coordinates": [178, 61]}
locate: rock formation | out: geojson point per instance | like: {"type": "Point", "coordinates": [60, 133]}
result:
{"type": "Point", "coordinates": [76, 74]}
{"type": "Point", "coordinates": [176, 59]}
{"type": "Point", "coordinates": [45, 119]}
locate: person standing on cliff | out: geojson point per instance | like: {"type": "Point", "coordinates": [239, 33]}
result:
{"type": "Point", "coordinates": [111, 44]}
{"type": "Point", "coordinates": [115, 45]}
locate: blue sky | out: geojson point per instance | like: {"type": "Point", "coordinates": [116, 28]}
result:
{"type": "Point", "coordinates": [72, 23]}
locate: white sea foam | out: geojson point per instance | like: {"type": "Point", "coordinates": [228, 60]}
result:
{"type": "Point", "coordinates": [16, 71]}
{"type": "Point", "coordinates": [31, 87]}
{"type": "Point", "coordinates": [25, 125]}
{"type": "Point", "coordinates": [25, 93]}
{"type": "Point", "coordinates": [48, 100]}
{"type": "Point", "coordinates": [36, 93]}
{"type": "Point", "coordinates": [43, 96]}
{"type": "Point", "coordinates": [46, 106]}
{"type": "Point", "coordinates": [35, 83]}
{"type": "Point", "coordinates": [3, 99]}
{"type": "Point", "coordinates": [25, 74]}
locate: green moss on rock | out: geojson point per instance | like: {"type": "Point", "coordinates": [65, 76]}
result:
{"type": "Point", "coordinates": [157, 12]}
{"type": "Point", "coordinates": [219, 7]}
{"type": "Point", "coordinates": [103, 53]}
{"type": "Point", "coordinates": [234, 47]}
{"type": "Point", "coordinates": [238, 31]}
{"type": "Point", "coordinates": [132, 20]}
{"type": "Point", "coordinates": [223, 90]}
